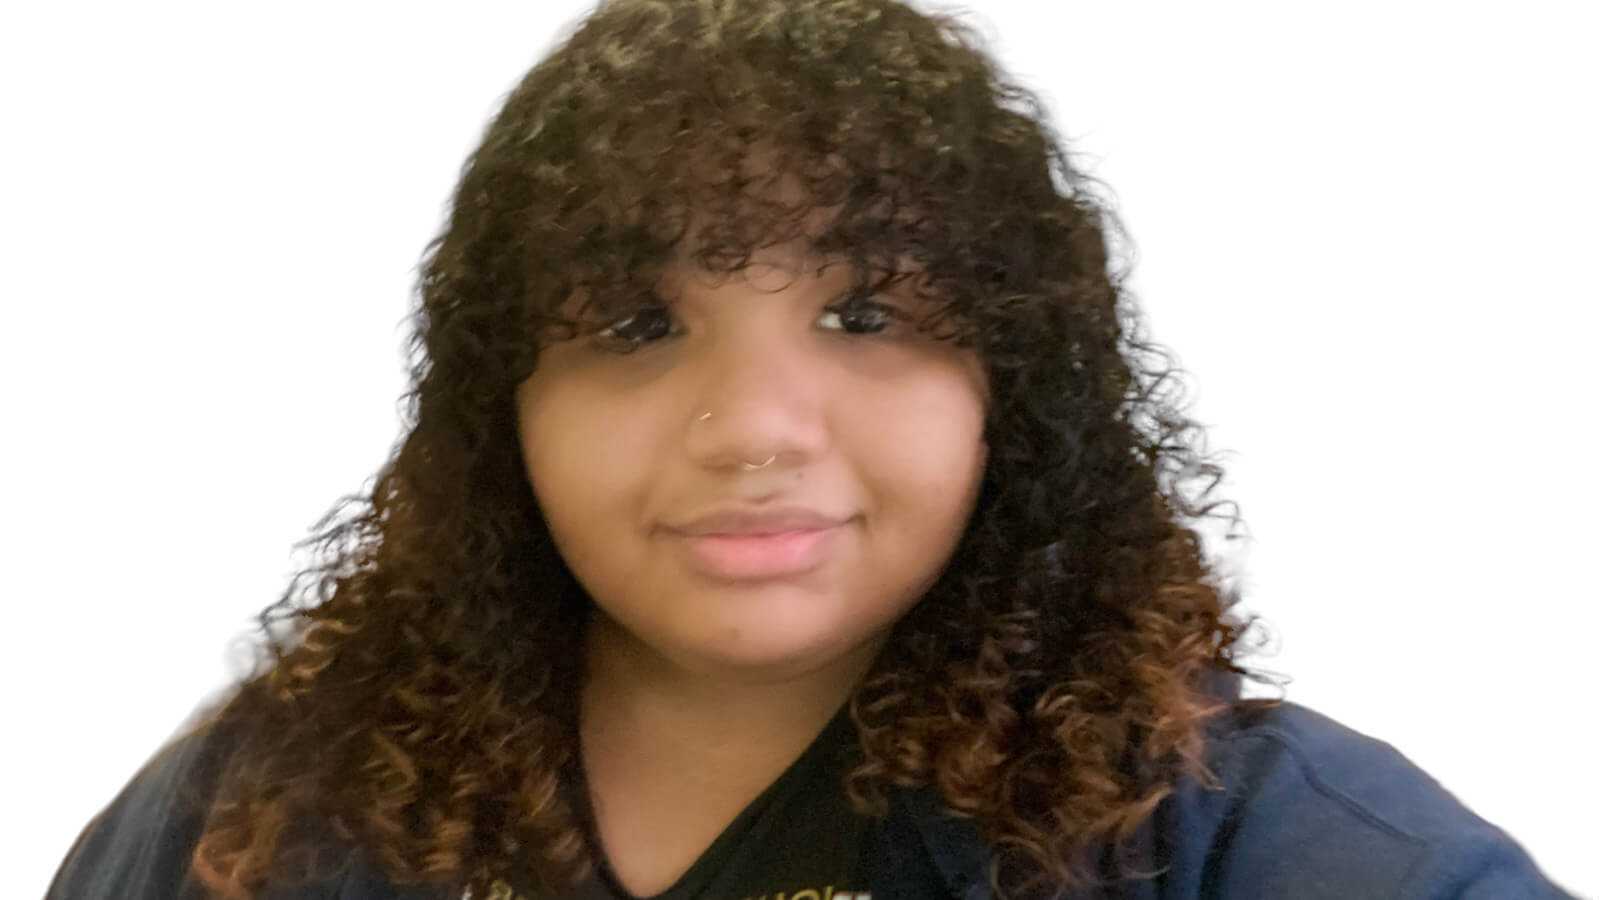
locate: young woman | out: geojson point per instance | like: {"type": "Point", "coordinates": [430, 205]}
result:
{"type": "Point", "coordinates": [788, 509]}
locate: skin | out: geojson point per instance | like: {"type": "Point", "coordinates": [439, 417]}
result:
{"type": "Point", "coordinates": [701, 690]}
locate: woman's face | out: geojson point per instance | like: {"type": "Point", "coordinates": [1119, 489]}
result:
{"type": "Point", "coordinates": [868, 439]}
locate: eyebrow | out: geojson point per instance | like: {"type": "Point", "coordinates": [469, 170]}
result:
{"type": "Point", "coordinates": [587, 298]}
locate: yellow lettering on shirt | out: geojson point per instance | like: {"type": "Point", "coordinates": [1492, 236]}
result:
{"type": "Point", "coordinates": [823, 893]}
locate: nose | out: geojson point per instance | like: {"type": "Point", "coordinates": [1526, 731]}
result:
{"type": "Point", "coordinates": [766, 396]}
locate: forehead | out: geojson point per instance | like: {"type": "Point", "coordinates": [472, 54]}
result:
{"type": "Point", "coordinates": [756, 219]}
{"type": "Point", "coordinates": [771, 267]}
{"type": "Point", "coordinates": [793, 211]}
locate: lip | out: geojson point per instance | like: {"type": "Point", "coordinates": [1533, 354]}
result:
{"type": "Point", "coordinates": [751, 521]}
{"type": "Point", "coordinates": [741, 557]}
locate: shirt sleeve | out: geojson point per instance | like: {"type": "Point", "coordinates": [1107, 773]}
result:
{"type": "Point", "coordinates": [1313, 809]}
{"type": "Point", "coordinates": [138, 847]}
{"type": "Point", "coordinates": [1488, 865]}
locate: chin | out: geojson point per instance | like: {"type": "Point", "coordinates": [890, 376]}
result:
{"type": "Point", "coordinates": [773, 660]}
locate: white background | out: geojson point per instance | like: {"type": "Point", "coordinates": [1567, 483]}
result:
{"type": "Point", "coordinates": [1368, 231]}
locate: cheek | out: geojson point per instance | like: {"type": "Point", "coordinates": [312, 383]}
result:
{"type": "Point", "coordinates": [929, 439]}
{"type": "Point", "coordinates": [590, 466]}
{"type": "Point", "coordinates": [551, 442]}
{"type": "Point", "coordinates": [922, 456]}
{"type": "Point", "coordinates": [567, 436]}
{"type": "Point", "coordinates": [558, 452]}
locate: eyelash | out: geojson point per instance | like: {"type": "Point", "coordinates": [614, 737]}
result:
{"type": "Point", "coordinates": [610, 340]}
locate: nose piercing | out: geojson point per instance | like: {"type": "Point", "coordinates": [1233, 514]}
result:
{"type": "Point", "coordinates": [747, 466]}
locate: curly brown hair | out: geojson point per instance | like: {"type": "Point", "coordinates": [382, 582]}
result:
{"type": "Point", "coordinates": [417, 691]}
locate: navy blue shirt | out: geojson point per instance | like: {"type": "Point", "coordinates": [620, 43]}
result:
{"type": "Point", "coordinates": [1308, 809]}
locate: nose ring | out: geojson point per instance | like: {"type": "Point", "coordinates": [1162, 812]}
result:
{"type": "Point", "coordinates": [747, 466]}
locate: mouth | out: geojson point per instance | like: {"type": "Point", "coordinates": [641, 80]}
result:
{"type": "Point", "coordinates": [748, 557]}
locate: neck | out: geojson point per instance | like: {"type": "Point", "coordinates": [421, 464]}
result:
{"type": "Point", "coordinates": [634, 697]}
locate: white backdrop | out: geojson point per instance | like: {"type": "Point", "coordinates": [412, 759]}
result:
{"type": "Point", "coordinates": [1367, 230]}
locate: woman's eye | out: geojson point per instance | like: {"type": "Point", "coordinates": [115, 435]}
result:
{"type": "Point", "coordinates": [858, 316]}
{"type": "Point", "coordinates": [650, 323]}
{"type": "Point", "coordinates": [645, 324]}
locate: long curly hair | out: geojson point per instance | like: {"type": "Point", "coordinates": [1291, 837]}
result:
{"type": "Point", "coordinates": [416, 691]}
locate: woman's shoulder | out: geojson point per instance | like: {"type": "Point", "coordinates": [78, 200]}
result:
{"type": "Point", "coordinates": [1306, 801]}
{"type": "Point", "coordinates": [142, 843]}
{"type": "Point", "coordinates": [139, 845]}
{"type": "Point", "coordinates": [1302, 806]}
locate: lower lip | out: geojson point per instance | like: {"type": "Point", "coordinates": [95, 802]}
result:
{"type": "Point", "coordinates": [753, 556]}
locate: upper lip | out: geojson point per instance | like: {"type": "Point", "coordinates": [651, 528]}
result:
{"type": "Point", "coordinates": [752, 520]}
